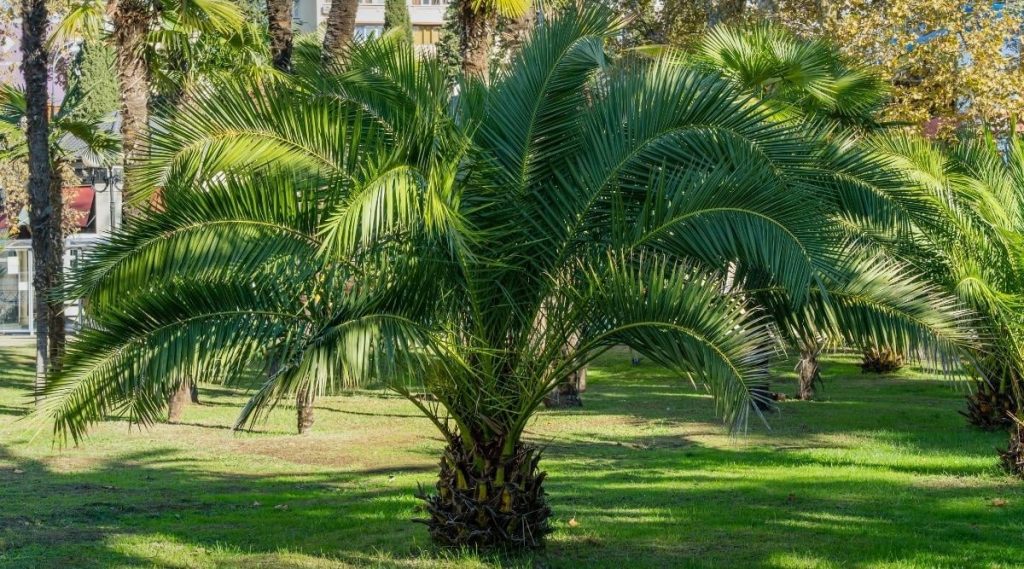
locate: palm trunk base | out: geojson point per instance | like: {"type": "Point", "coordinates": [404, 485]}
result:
{"type": "Point", "coordinates": [810, 376]}
{"type": "Point", "coordinates": [989, 406]}
{"type": "Point", "coordinates": [881, 360]}
{"type": "Point", "coordinates": [304, 412]}
{"type": "Point", "coordinates": [473, 509]}
{"type": "Point", "coordinates": [178, 401]}
{"type": "Point", "coordinates": [1013, 457]}
{"type": "Point", "coordinates": [568, 393]}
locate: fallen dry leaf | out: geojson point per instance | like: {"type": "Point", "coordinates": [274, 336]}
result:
{"type": "Point", "coordinates": [256, 504]}
{"type": "Point", "coordinates": [573, 523]}
{"type": "Point", "coordinates": [19, 471]}
{"type": "Point", "coordinates": [281, 507]}
{"type": "Point", "coordinates": [998, 503]}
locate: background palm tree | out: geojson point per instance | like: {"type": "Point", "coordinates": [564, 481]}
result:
{"type": "Point", "coordinates": [70, 136]}
{"type": "Point", "coordinates": [34, 69]}
{"type": "Point", "coordinates": [137, 30]}
{"type": "Point", "coordinates": [367, 227]}
{"type": "Point", "coordinates": [973, 246]}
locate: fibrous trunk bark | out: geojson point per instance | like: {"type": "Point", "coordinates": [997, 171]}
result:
{"type": "Point", "coordinates": [35, 73]}
{"type": "Point", "coordinates": [132, 20]}
{"type": "Point", "coordinates": [1013, 457]}
{"type": "Point", "coordinates": [304, 410]}
{"type": "Point", "coordinates": [178, 401]}
{"type": "Point", "coordinates": [56, 324]}
{"type": "Point", "coordinates": [487, 499]}
{"type": "Point", "coordinates": [990, 404]}
{"type": "Point", "coordinates": [477, 27]}
{"type": "Point", "coordinates": [567, 393]}
{"type": "Point", "coordinates": [881, 360]}
{"type": "Point", "coordinates": [341, 26]}
{"type": "Point", "coordinates": [810, 374]}
{"type": "Point", "coordinates": [279, 27]}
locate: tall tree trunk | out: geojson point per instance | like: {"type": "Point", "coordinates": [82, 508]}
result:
{"type": "Point", "coordinates": [56, 332]}
{"type": "Point", "coordinates": [341, 26]}
{"type": "Point", "coordinates": [304, 406]}
{"type": "Point", "coordinates": [279, 26]}
{"type": "Point", "coordinates": [488, 499]}
{"type": "Point", "coordinates": [35, 72]}
{"type": "Point", "coordinates": [810, 374]}
{"type": "Point", "coordinates": [178, 401]}
{"type": "Point", "coordinates": [476, 27]}
{"type": "Point", "coordinates": [132, 20]}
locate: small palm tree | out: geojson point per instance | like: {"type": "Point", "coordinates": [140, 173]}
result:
{"type": "Point", "coordinates": [368, 227]}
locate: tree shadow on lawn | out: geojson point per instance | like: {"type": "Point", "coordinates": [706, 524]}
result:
{"type": "Point", "coordinates": [666, 506]}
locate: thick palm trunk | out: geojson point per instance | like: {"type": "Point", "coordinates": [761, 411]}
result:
{"type": "Point", "coordinates": [304, 407]}
{"type": "Point", "coordinates": [477, 28]}
{"type": "Point", "coordinates": [178, 401]}
{"type": "Point", "coordinates": [279, 26]}
{"type": "Point", "coordinates": [35, 73]}
{"type": "Point", "coordinates": [132, 20]}
{"type": "Point", "coordinates": [488, 500]}
{"type": "Point", "coordinates": [810, 374]}
{"type": "Point", "coordinates": [341, 26]}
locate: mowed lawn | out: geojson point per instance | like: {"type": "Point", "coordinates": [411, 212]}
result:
{"type": "Point", "coordinates": [881, 472]}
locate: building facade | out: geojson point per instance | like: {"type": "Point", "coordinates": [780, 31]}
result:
{"type": "Point", "coordinates": [427, 17]}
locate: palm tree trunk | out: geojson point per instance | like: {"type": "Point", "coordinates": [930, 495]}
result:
{"type": "Point", "coordinates": [279, 26]}
{"type": "Point", "coordinates": [178, 401]}
{"type": "Point", "coordinates": [477, 27]}
{"type": "Point", "coordinates": [35, 73]}
{"type": "Point", "coordinates": [132, 20]}
{"type": "Point", "coordinates": [56, 332]}
{"type": "Point", "coordinates": [488, 498]}
{"type": "Point", "coordinates": [1013, 458]}
{"type": "Point", "coordinates": [304, 406]}
{"type": "Point", "coordinates": [341, 26]}
{"type": "Point", "coordinates": [810, 374]}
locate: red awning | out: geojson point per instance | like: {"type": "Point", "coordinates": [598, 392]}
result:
{"type": "Point", "coordinates": [78, 199]}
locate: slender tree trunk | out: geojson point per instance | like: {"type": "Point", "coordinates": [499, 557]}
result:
{"type": "Point", "coordinates": [304, 406]}
{"type": "Point", "coordinates": [178, 401]}
{"type": "Point", "coordinates": [279, 25]}
{"type": "Point", "coordinates": [489, 499]}
{"type": "Point", "coordinates": [341, 26]}
{"type": "Point", "coordinates": [35, 72]}
{"type": "Point", "coordinates": [132, 20]}
{"type": "Point", "coordinates": [56, 331]}
{"type": "Point", "coordinates": [477, 28]}
{"type": "Point", "coordinates": [810, 374]}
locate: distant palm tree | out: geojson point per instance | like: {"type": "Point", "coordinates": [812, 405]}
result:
{"type": "Point", "coordinates": [70, 137]}
{"type": "Point", "coordinates": [35, 70]}
{"type": "Point", "coordinates": [141, 31]}
{"type": "Point", "coordinates": [341, 27]}
{"type": "Point", "coordinates": [368, 227]}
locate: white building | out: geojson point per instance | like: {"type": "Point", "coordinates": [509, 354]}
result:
{"type": "Point", "coordinates": [427, 17]}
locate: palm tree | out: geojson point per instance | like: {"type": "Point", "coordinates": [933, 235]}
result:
{"type": "Point", "coordinates": [973, 247]}
{"type": "Point", "coordinates": [279, 28]}
{"type": "Point", "coordinates": [809, 80]}
{"type": "Point", "coordinates": [137, 29]}
{"type": "Point", "coordinates": [367, 227]}
{"type": "Point", "coordinates": [34, 68]}
{"type": "Point", "coordinates": [69, 136]}
{"type": "Point", "coordinates": [798, 77]}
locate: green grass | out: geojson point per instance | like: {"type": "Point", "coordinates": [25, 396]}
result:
{"type": "Point", "coordinates": [882, 472]}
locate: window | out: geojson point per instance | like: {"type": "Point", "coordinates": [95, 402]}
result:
{"type": "Point", "coordinates": [426, 35]}
{"type": "Point", "coordinates": [367, 31]}
{"type": "Point", "coordinates": [429, 2]}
